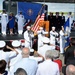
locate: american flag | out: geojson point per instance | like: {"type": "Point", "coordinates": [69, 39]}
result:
{"type": "Point", "coordinates": [36, 24]}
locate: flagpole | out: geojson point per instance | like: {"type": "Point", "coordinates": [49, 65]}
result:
{"type": "Point", "coordinates": [17, 7]}
{"type": "Point", "coordinates": [44, 6]}
{"type": "Point", "coordinates": [74, 13]}
{"type": "Point", "coordinates": [38, 14]}
{"type": "Point", "coordinates": [41, 10]}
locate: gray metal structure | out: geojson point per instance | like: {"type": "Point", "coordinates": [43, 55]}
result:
{"type": "Point", "coordinates": [56, 1]}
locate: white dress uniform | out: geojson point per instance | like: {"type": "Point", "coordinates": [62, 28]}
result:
{"type": "Point", "coordinates": [41, 34]}
{"type": "Point", "coordinates": [28, 39]}
{"type": "Point", "coordinates": [48, 67]}
{"type": "Point", "coordinates": [7, 56]}
{"type": "Point", "coordinates": [14, 60]}
{"type": "Point", "coordinates": [62, 41]}
{"type": "Point", "coordinates": [53, 36]}
{"type": "Point", "coordinates": [29, 65]}
{"type": "Point", "coordinates": [21, 21]}
{"type": "Point", "coordinates": [42, 50]}
{"type": "Point", "coordinates": [45, 47]}
{"type": "Point", "coordinates": [4, 21]}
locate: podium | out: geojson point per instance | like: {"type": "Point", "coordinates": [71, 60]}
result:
{"type": "Point", "coordinates": [45, 25]}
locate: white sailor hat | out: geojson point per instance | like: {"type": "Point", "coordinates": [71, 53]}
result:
{"type": "Point", "coordinates": [31, 50]}
{"type": "Point", "coordinates": [53, 27]}
{"type": "Point", "coordinates": [41, 28]}
{"type": "Point", "coordinates": [45, 33]}
{"type": "Point", "coordinates": [45, 40]}
{"type": "Point", "coordinates": [2, 44]}
{"type": "Point", "coordinates": [16, 43]}
{"type": "Point", "coordinates": [28, 27]}
{"type": "Point", "coordinates": [62, 27]}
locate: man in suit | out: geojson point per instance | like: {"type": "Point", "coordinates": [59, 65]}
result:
{"type": "Point", "coordinates": [57, 21]}
{"type": "Point", "coordinates": [70, 53]}
{"type": "Point", "coordinates": [17, 46]}
{"type": "Point", "coordinates": [62, 19]}
{"type": "Point", "coordinates": [62, 39]}
{"type": "Point", "coordinates": [6, 55]}
{"type": "Point", "coordinates": [53, 36]}
{"type": "Point", "coordinates": [51, 20]}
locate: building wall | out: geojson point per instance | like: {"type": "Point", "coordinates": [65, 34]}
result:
{"type": "Point", "coordinates": [1, 5]}
{"type": "Point", "coordinates": [61, 7]}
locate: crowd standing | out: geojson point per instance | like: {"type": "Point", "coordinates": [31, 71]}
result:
{"type": "Point", "coordinates": [43, 61]}
{"type": "Point", "coordinates": [11, 23]}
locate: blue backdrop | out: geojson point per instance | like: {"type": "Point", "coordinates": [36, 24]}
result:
{"type": "Point", "coordinates": [30, 10]}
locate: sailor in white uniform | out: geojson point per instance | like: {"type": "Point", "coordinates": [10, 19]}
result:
{"type": "Point", "coordinates": [53, 35]}
{"type": "Point", "coordinates": [45, 46]}
{"type": "Point", "coordinates": [28, 35]}
{"type": "Point", "coordinates": [21, 20]}
{"type": "Point", "coordinates": [6, 55]}
{"type": "Point", "coordinates": [41, 33]}
{"type": "Point", "coordinates": [17, 46]}
{"type": "Point", "coordinates": [4, 21]}
{"type": "Point", "coordinates": [62, 39]}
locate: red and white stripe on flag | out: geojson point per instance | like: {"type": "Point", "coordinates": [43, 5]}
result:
{"type": "Point", "coordinates": [36, 24]}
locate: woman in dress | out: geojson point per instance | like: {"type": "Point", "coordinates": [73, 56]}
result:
{"type": "Point", "coordinates": [11, 22]}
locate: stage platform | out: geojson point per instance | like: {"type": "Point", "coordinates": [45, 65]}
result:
{"type": "Point", "coordinates": [72, 34]}
{"type": "Point", "coordinates": [19, 37]}
{"type": "Point", "coordinates": [11, 37]}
